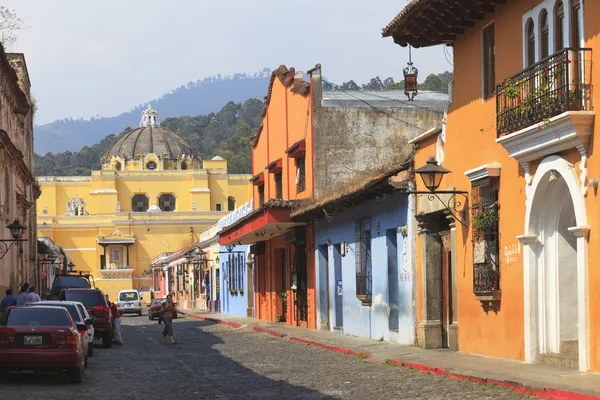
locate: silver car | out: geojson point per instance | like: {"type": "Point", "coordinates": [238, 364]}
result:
{"type": "Point", "coordinates": [129, 302]}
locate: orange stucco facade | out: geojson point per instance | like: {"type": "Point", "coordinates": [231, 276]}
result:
{"type": "Point", "coordinates": [471, 142]}
{"type": "Point", "coordinates": [282, 149]}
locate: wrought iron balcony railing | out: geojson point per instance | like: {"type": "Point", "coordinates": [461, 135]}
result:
{"type": "Point", "coordinates": [559, 83]}
{"type": "Point", "coordinates": [485, 278]}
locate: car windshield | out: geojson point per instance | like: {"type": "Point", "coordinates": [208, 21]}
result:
{"type": "Point", "coordinates": [71, 281]}
{"type": "Point", "coordinates": [157, 302]}
{"type": "Point", "coordinates": [70, 308]}
{"type": "Point", "coordinates": [88, 297]}
{"type": "Point", "coordinates": [128, 296]}
{"type": "Point", "coordinates": [36, 316]}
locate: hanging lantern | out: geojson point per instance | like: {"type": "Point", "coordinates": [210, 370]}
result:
{"type": "Point", "coordinates": [410, 78]}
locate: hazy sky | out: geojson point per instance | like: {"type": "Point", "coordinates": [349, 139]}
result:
{"type": "Point", "coordinates": [88, 58]}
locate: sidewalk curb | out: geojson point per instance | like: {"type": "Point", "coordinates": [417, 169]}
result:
{"type": "Point", "coordinates": [234, 325]}
{"type": "Point", "coordinates": [541, 393]}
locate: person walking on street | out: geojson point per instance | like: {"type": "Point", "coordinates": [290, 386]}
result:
{"type": "Point", "coordinates": [8, 301]}
{"type": "Point", "coordinates": [114, 309]}
{"type": "Point", "coordinates": [167, 311]}
{"type": "Point", "coordinates": [23, 296]}
{"type": "Point", "coordinates": [33, 296]}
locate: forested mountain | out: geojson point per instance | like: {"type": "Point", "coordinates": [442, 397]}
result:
{"type": "Point", "coordinates": [226, 133]}
{"type": "Point", "coordinates": [195, 98]}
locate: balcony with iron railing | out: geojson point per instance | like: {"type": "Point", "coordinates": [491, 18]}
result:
{"type": "Point", "coordinates": [547, 108]}
{"type": "Point", "coordinates": [555, 85]}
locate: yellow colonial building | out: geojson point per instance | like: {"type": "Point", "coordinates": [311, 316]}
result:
{"type": "Point", "coordinates": [152, 195]}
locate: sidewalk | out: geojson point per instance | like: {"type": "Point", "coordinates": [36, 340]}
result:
{"type": "Point", "coordinates": [542, 381]}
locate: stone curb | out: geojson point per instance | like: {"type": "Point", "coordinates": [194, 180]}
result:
{"type": "Point", "coordinates": [545, 393]}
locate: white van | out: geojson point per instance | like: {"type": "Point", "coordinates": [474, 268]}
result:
{"type": "Point", "coordinates": [129, 302]}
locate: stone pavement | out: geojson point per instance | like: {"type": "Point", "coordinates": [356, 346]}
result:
{"type": "Point", "coordinates": [543, 381]}
{"type": "Point", "coordinates": [213, 361]}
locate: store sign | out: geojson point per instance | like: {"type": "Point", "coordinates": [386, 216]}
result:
{"type": "Point", "coordinates": [236, 215]}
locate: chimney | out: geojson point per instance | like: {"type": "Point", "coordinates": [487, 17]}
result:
{"type": "Point", "coordinates": [298, 77]}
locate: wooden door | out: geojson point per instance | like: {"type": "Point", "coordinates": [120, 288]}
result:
{"type": "Point", "coordinates": [446, 287]}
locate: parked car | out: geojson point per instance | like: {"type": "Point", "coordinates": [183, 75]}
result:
{"type": "Point", "coordinates": [96, 304]}
{"type": "Point", "coordinates": [81, 317]}
{"type": "Point", "coordinates": [70, 280]}
{"type": "Point", "coordinates": [41, 338]}
{"type": "Point", "coordinates": [154, 310]}
{"type": "Point", "coordinates": [129, 302]}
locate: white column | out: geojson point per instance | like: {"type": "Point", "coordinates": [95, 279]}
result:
{"type": "Point", "coordinates": [582, 233]}
{"type": "Point", "coordinates": [531, 248]}
{"type": "Point", "coordinates": [107, 257]}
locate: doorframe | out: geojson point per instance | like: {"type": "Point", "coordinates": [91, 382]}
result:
{"type": "Point", "coordinates": [532, 246]}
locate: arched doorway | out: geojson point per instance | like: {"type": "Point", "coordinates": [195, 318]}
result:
{"type": "Point", "coordinates": [555, 267]}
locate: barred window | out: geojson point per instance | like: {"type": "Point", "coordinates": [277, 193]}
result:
{"type": "Point", "coordinates": [166, 202]}
{"type": "Point", "coordinates": [485, 217]}
{"type": "Point", "coordinates": [139, 203]}
{"type": "Point", "coordinates": [278, 185]}
{"type": "Point", "coordinates": [261, 195]}
{"type": "Point", "coordinates": [363, 258]}
{"type": "Point", "coordinates": [240, 271]}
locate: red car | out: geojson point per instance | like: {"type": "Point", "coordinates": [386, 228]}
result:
{"type": "Point", "coordinates": [37, 338]}
{"type": "Point", "coordinates": [154, 311]}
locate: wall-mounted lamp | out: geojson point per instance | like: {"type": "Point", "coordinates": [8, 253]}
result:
{"type": "Point", "coordinates": [432, 175]}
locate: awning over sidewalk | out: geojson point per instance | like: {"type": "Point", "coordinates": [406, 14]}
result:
{"type": "Point", "coordinates": [270, 220]}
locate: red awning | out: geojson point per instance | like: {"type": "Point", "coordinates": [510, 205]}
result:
{"type": "Point", "coordinates": [265, 225]}
{"type": "Point", "coordinates": [258, 179]}
{"type": "Point", "coordinates": [275, 166]}
{"type": "Point", "coordinates": [297, 149]}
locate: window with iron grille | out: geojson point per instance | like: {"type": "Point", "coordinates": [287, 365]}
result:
{"type": "Point", "coordinates": [261, 194]}
{"type": "Point", "coordinates": [139, 203]}
{"type": "Point", "coordinates": [166, 202]}
{"type": "Point", "coordinates": [301, 174]}
{"type": "Point", "coordinates": [278, 185]}
{"type": "Point", "coordinates": [240, 258]}
{"type": "Point", "coordinates": [363, 259]}
{"type": "Point", "coordinates": [485, 217]}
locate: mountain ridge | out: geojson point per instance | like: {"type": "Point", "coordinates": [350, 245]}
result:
{"type": "Point", "coordinates": [195, 98]}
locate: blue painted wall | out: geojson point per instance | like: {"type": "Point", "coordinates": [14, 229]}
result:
{"type": "Point", "coordinates": [380, 320]}
{"type": "Point", "coordinates": [234, 300]}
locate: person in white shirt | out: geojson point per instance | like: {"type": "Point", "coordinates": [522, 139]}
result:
{"type": "Point", "coordinates": [33, 296]}
{"type": "Point", "coordinates": [23, 296]}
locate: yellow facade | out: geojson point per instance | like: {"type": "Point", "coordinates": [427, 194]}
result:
{"type": "Point", "coordinates": [116, 244]}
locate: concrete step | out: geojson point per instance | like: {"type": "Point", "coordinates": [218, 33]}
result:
{"type": "Point", "coordinates": [570, 347]}
{"type": "Point", "coordinates": [558, 360]}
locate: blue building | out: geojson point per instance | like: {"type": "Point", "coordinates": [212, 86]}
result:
{"type": "Point", "coordinates": [364, 241]}
{"type": "Point", "coordinates": [237, 295]}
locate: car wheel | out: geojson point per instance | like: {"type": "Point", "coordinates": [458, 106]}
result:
{"type": "Point", "coordinates": [90, 349]}
{"type": "Point", "coordinates": [85, 362]}
{"type": "Point", "coordinates": [107, 340]}
{"type": "Point", "coordinates": [76, 374]}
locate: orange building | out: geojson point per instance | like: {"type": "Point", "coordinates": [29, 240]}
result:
{"type": "Point", "coordinates": [517, 281]}
{"type": "Point", "coordinates": [282, 168]}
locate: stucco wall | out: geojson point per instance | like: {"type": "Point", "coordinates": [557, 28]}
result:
{"type": "Point", "coordinates": [233, 303]}
{"type": "Point", "coordinates": [349, 141]}
{"type": "Point", "coordinates": [386, 214]}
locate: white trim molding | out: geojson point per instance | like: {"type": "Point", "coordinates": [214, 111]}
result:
{"type": "Point", "coordinates": [103, 191]}
{"type": "Point", "coordinates": [569, 130]}
{"type": "Point", "coordinates": [484, 171]}
{"type": "Point", "coordinates": [200, 190]}
{"type": "Point", "coordinates": [533, 254]}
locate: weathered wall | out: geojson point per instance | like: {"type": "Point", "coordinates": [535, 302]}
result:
{"type": "Point", "coordinates": [349, 141]}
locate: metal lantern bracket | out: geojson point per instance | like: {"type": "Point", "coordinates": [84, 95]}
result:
{"type": "Point", "coordinates": [5, 247]}
{"type": "Point", "coordinates": [456, 209]}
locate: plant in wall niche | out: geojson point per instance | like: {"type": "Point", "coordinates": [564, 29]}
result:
{"type": "Point", "coordinates": [482, 219]}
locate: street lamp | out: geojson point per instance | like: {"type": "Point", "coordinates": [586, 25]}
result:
{"type": "Point", "coordinates": [432, 174]}
{"type": "Point", "coordinates": [16, 231]}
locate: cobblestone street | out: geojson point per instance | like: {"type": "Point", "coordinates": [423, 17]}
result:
{"type": "Point", "coordinates": [213, 361]}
